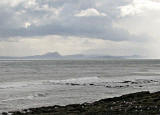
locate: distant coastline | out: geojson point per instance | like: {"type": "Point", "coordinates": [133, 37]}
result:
{"type": "Point", "coordinates": [57, 56]}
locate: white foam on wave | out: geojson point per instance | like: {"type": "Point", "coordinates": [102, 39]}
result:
{"type": "Point", "coordinates": [27, 97]}
{"type": "Point", "coordinates": [20, 84]}
{"type": "Point", "coordinates": [7, 85]}
{"type": "Point", "coordinates": [17, 98]}
{"type": "Point", "coordinates": [80, 81]}
{"type": "Point", "coordinates": [23, 84]}
{"type": "Point", "coordinates": [73, 81]}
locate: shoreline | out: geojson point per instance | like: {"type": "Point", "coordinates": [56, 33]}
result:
{"type": "Point", "coordinates": [140, 103]}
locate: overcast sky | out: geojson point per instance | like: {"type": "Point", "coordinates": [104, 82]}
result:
{"type": "Point", "coordinates": [103, 27]}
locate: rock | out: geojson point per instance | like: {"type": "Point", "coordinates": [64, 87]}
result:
{"type": "Point", "coordinates": [141, 103]}
{"type": "Point", "coordinates": [4, 113]}
{"type": "Point", "coordinates": [126, 81]}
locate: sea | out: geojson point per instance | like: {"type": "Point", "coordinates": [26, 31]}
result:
{"type": "Point", "coordinates": [36, 83]}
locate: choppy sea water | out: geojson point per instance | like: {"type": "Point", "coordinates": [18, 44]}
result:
{"type": "Point", "coordinates": [36, 83]}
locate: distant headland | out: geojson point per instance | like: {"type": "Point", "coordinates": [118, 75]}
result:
{"type": "Point", "coordinates": [56, 55]}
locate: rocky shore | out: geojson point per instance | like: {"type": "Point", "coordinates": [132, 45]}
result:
{"type": "Point", "coordinates": [141, 103]}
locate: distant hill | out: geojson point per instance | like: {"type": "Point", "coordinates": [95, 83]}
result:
{"type": "Point", "coordinates": [56, 55]}
{"type": "Point", "coordinates": [49, 55]}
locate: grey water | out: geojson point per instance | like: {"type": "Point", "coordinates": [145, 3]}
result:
{"type": "Point", "coordinates": [36, 83]}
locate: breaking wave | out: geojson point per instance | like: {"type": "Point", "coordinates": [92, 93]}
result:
{"type": "Point", "coordinates": [84, 81]}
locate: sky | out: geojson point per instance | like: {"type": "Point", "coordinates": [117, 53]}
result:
{"type": "Point", "coordinates": [101, 27]}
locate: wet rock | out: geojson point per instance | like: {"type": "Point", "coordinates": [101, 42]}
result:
{"type": "Point", "coordinates": [73, 84]}
{"type": "Point", "coordinates": [91, 84]}
{"type": "Point", "coordinates": [4, 113]}
{"type": "Point", "coordinates": [134, 82]}
{"type": "Point", "coordinates": [126, 82]}
{"type": "Point", "coordinates": [108, 86]}
{"type": "Point", "coordinates": [141, 103]}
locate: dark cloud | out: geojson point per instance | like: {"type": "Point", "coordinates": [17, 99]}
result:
{"type": "Point", "coordinates": [65, 22]}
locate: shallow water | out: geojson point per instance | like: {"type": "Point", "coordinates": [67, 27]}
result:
{"type": "Point", "coordinates": [28, 83]}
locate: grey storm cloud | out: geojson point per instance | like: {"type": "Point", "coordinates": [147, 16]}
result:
{"type": "Point", "coordinates": [114, 27]}
{"type": "Point", "coordinates": [58, 17]}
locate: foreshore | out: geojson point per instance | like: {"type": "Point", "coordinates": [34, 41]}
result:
{"type": "Point", "coordinates": [141, 103]}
